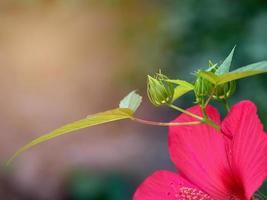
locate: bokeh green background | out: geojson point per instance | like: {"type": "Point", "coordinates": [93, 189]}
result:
{"type": "Point", "coordinates": [62, 60]}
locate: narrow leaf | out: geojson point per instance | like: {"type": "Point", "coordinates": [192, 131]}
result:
{"type": "Point", "coordinates": [180, 91]}
{"type": "Point", "coordinates": [131, 101]}
{"type": "Point", "coordinates": [225, 66]}
{"type": "Point", "coordinates": [249, 70]}
{"type": "Point", "coordinates": [99, 118]}
{"type": "Point", "coordinates": [181, 82]}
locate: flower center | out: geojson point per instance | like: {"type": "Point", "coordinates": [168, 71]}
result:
{"type": "Point", "coordinates": [187, 193]}
{"type": "Point", "coordinates": [235, 186]}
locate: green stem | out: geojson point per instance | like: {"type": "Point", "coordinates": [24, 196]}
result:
{"type": "Point", "coordinates": [207, 120]}
{"type": "Point", "coordinates": [147, 122]}
{"type": "Point", "coordinates": [204, 119]}
{"type": "Point", "coordinates": [210, 96]}
{"type": "Point", "coordinates": [203, 108]}
{"type": "Point", "coordinates": [186, 112]}
{"type": "Point", "coordinates": [226, 105]}
{"type": "Point", "coordinates": [211, 123]}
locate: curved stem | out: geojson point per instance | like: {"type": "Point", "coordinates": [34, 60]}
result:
{"type": "Point", "coordinates": [210, 96]}
{"type": "Point", "coordinates": [147, 122]}
{"type": "Point", "coordinates": [203, 109]}
{"type": "Point", "coordinates": [204, 119]}
{"type": "Point", "coordinates": [203, 106]}
{"type": "Point", "coordinates": [186, 112]}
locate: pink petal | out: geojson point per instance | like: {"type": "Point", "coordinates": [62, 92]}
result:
{"type": "Point", "coordinates": [198, 151]}
{"type": "Point", "coordinates": [249, 146]}
{"type": "Point", "coordinates": [165, 185]}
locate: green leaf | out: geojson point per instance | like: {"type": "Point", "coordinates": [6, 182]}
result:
{"type": "Point", "coordinates": [180, 91]}
{"type": "Point", "coordinates": [131, 101]}
{"type": "Point", "coordinates": [181, 82]}
{"type": "Point", "coordinates": [225, 66]}
{"type": "Point", "coordinates": [243, 72]}
{"type": "Point", "coordinates": [209, 76]}
{"type": "Point", "coordinates": [99, 118]}
{"type": "Point", "coordinates": [182, 88]}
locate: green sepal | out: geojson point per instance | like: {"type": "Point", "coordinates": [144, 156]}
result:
{"type": "Point", "coordinates": [212, 67]}
{"type": "Point", "coordinates": [92, 120]}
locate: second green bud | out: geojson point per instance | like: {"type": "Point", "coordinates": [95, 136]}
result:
{"type": "Point", "coordinates": [159, 91]}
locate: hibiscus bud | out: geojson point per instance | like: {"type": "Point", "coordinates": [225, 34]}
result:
{"type": "Point", "coordinates": [202, 88]}
{"type": "Point", "coordinates": [225, 90]}
{"type": "Point", "coordinates": [159, 91]}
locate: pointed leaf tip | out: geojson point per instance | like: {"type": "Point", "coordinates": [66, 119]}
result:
{"type": "Point", "coordinates": [128, 106]}
{"type": "Point", "coordinates": [92, 120]}
{"type": "Point", "coordinates": [225, 66]}
{"type": "Point", "coordinates": [131, 101]}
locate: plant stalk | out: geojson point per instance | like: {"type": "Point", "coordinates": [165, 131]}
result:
{"type": "Point", "coordinates": [153, 123]}
{"type": "Point", "coordinates": [186, 112]}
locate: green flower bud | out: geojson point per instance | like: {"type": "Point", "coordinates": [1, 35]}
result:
{"type": "Point", "coordinates": [224, 91]}
{"type": "Point", "coordinates": [202, 88]}
{"type": "Point", "coordinates": [159, 91]}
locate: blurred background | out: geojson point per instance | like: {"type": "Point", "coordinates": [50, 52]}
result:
{"type": "Point", "coordinates": [62, 60]}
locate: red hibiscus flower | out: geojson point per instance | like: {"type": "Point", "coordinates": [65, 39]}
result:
{"type": "Point", "coordinates": [230, 164]}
